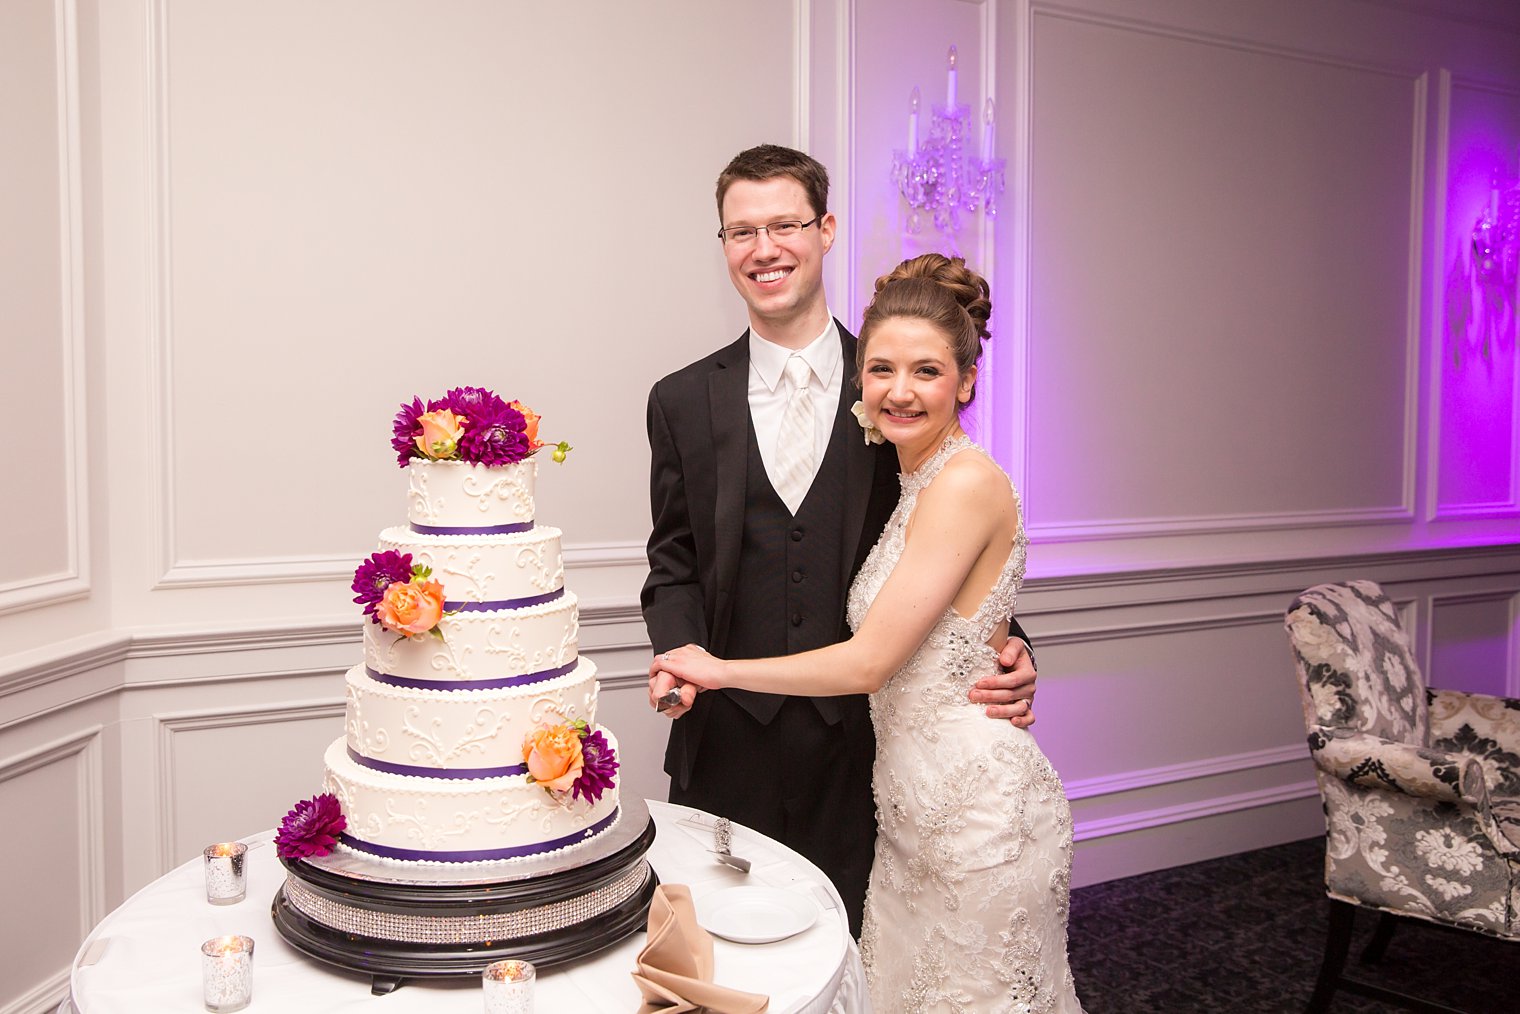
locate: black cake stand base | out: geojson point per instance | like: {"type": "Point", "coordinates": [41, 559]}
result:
{"type": "Point", "coordinates": [394, 923]}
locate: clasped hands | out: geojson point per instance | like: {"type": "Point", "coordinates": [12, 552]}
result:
{"type": "Point", "coordinates": [682, 673]}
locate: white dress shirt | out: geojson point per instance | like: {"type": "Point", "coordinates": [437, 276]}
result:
{"type": "Point", "coordinates": [769, 391]}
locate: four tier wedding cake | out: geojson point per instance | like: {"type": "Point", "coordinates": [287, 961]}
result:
{"type": "Point", "coordinates": [471, 738]}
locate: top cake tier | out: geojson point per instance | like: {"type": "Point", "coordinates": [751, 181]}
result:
{"type": "Point", "coordinates": [459, 498]}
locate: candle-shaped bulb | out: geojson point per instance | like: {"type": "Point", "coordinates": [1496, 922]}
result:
{"type": "Point", "coordinates": [987, 129]}
{"type": "Point", "coordinates": [950, 83]}
{"type": "Point", "coordinates": [913, 102]}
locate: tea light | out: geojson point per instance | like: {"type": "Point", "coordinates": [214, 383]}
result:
{"type": "Point", "coordinates": [227, 971]}
{"type": "Point", "coordinates": [509, 987]}
{"type": "Point", "coordinates": [226, 880]}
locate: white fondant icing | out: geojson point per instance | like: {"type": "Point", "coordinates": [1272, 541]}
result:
{"type": "Point", "coordinates": [480, 646]}
{"type": "Point", "coordinates": [448, 815]}
{"type": "Point", "coordinates": [461, 728]}
{"type": "Point", "coordinates": [485, 568]}
{"type": "Point", "coordinates": [458, 494]}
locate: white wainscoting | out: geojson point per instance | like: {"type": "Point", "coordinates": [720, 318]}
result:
{"type": "Point", "coordinates": [55, 846]}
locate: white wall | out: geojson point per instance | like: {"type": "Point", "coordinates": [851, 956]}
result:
{"type": "Point", "coordinates": [236, 236]}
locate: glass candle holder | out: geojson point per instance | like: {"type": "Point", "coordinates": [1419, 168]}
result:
{"type": "Point", "coordinates": [508, 987]}
{"type": "Point", "coordinates": [227, 973]}
{"type": "Point", "coordinates": [226, 872]}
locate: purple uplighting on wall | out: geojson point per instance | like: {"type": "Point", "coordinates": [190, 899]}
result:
{"type": "Point", "coordinates": [1475, 373]}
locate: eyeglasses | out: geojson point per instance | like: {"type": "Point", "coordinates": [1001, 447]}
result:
{"type": "Point", "coordinates": [744, 235]}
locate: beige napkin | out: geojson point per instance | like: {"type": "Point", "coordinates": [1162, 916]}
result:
{"type": "Point", "coordinates": [674, 970]}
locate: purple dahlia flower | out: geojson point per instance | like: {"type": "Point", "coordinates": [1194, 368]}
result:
{"type": "Point", "coordinates": [598, 765]}
{"type": "Point", "coordinates": [378, 573]}
{"type": "Point", "coordinates": [310, 828]}
{"type": "Point", "coordinates": [474, 403]}
{"type": "Point", "coordinates": [405, 430]}
{"type": "Point", "coordinates": [499, 438]}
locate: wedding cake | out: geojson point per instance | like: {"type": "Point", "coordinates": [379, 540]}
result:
{"type": "Point", "coordinates": [471, 738]}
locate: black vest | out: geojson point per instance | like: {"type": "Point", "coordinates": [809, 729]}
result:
{"type": "Point", "coordinates": [787, 595]}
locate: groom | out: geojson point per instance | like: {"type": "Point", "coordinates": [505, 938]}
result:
{"type": "Point", "coordinates": [766, 499]}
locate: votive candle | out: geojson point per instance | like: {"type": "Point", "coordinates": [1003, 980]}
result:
{"type": "Point", "coordinates": [508, 987]}
{"type": "Point", "coordinates": [227, 972]}
{"type": "Point", "coordinates": [226, 872]}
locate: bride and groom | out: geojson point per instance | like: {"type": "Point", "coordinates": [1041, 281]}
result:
{"type": "Point", "coordinates": [781, 525]}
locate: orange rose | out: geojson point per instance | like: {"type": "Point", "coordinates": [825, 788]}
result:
{"type": "Point", "coordinates": [441, 431]}
{"type": "Point", "coordinates": [554, 756]}
{"type": "Point", "coordinates": [411, 607]}
{"type": "Point", "coordinates": [530, 428]}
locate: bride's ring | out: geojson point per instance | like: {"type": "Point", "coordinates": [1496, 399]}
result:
{"type": "Point", "coordinates": [665, 657]}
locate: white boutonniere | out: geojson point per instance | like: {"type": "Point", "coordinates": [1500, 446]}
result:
{"type": "Point", "coordinates": [873, 435]}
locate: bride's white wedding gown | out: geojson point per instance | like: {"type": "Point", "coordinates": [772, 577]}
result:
{"type": "Point", "coordinates": [969, 889]}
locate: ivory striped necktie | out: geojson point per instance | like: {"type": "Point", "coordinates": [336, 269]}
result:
{"type": "Point", "coordinates": [795, 448]}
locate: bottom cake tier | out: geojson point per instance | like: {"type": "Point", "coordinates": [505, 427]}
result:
{"type": "Point", "coordinates": [392, 924]}
{"type": "Point", "coordinates": [458, 820]}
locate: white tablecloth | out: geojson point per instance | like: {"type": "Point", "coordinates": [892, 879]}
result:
{"type": "Point", "coordinates": [145, 956]}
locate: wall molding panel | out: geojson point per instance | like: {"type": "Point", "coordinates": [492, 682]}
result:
{"type": "Point", "coordinates": [44, 998]}
{"type": "Point", "coordinates": [1022, 431]}
{"type": "Point", "coordinates": [1173, 774]}
{"type": "Point", "coordinates": [169, 725]}
{"type": "Point", "coordinates": [1437, 363]}
{"type": "Point", "coordinates": [73, 581]}
{"type": "Point", "coordinates": [84, 750]}
{"type": "Point", "coordinates": [1087, 830]}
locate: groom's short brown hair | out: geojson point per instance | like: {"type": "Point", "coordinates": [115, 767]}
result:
{"type": "Point", "coordinates": [768, 161]}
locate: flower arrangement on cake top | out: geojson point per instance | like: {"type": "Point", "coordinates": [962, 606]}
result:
{"type": "Point", "coordinates": [398, 594]}
{"type": "Point", "coordinates": [570, 757]}
{"type": "Point", "coordinates": [469, 424]}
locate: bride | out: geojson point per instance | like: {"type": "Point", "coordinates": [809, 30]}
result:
{"type": "Point", "coordinates": [968, 897]}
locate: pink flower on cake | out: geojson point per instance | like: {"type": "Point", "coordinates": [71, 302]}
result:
{"type": "Point", "coordinates": [441, 432]}
{"type": "Point", "coordinates": [553, 756]}
{"type": "Point", "coordinates": [414, 607]}
{"type": "Point", "coordinates": [311, 828]}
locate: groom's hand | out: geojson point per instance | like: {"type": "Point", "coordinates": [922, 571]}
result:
{"type": "Point", "coordinates": [663, 686]}
{"type": "Point", "coordinates": [1009, 694]}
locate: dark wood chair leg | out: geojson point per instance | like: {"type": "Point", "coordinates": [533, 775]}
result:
{"type": "Point", "coordinates": [1337, 944]}
{"type": "Point", "coordinates": [1372, 954]}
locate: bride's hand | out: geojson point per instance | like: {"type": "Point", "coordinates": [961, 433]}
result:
{"type": "Point", "coordinates": [691, 664]}
{"type": "Point", "coordinates": [668, 674]}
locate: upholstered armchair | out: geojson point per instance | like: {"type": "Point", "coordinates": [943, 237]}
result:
{"type": "Point", "coordinates": [1421, 788]}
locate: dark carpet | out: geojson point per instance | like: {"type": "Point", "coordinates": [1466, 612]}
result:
{"type": "Point", "coordinates": [1246, 933]}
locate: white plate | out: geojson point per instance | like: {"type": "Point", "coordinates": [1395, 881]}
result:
{"type": "Point", "coordinates": [756, 915]}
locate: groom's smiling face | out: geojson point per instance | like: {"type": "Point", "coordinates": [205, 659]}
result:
{"type": "Point", "coordinates": [780, 280]}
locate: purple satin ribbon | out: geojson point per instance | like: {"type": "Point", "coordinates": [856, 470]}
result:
{"type": "Point", "coordinates": [485, 607]}
{"type": "Point", "coordinates": [478, 855]}
{"type": "Point", "coordinates": [491, 684]}
{"type": "Point", "coordinates": [525, 526]}
{"type": "Point", "coordinates": [409, 769]}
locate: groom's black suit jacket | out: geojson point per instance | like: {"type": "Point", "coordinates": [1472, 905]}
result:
{"type": "Point", "coordinates": [698, 436]}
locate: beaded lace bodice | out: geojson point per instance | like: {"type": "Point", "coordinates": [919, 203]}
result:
{"type": "Point", "coordinates": [995, 609]}
{"type": "Point", "coordinates": [967, 904]}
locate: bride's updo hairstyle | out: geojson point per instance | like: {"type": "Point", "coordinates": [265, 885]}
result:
{"type": "Point", "coordinates": [941, 291]}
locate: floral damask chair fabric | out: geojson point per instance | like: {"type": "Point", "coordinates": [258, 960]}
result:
{"type": "Point", "coordinates": [1421, 787]}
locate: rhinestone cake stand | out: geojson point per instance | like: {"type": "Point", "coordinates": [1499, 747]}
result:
{"type": "Point", "coordinates": [394, 922]}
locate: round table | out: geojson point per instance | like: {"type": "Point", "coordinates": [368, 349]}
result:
{"type": "Point", "coordinates": [146, 954]}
